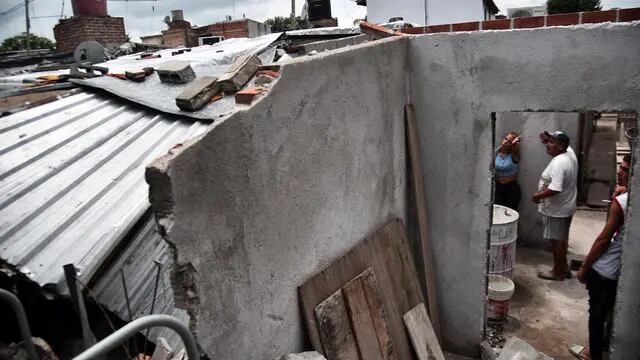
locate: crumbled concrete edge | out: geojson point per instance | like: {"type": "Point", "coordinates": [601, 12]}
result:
{"type": "Point", "coordinates": [183, 275]}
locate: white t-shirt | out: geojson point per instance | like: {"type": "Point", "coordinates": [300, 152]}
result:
{"type": "Point", "coordinates": [560, 175]}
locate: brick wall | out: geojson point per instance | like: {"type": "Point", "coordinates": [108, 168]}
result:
{"type": "Point", "coordinates": [231, 29]}
{"type": "Point", "coordinates": [619, 15]}
{"type": "Point", "coordinates": [106, 30]}
{"type": "Point", "coordinates": [179, 34]}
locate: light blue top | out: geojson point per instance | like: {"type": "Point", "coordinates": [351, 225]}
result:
{"type": "Point", "coordinates": [505, 166]}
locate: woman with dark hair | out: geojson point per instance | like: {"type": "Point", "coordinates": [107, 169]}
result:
{"type": "Point", "coordinates": [507, 191]}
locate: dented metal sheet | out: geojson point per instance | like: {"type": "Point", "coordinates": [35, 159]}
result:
{"type": "Point", "coordinates": [138, 264]}
{"type": "Point", "coordinates": [72, 181]}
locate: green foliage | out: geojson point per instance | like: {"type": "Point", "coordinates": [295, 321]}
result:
{"type": "Point", "coordinates": [19, 42]}
{"type": "Point", "coordinates": [280, 24]}
{"type": "Point", "coordinates": [571, 6]}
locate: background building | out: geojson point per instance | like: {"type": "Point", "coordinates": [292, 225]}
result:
{"type": "Point", "coordinates": [527, 11]}
{"type": "Point", "coordinates": [425, 12]}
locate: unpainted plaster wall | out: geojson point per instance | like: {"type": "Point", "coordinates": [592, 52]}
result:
{"type": "Point", "coordinates": [457, 80]}
{"type": "Point", "coordinates": [534, 159]}
{"type": "Point", "coordinates": [274, 194]}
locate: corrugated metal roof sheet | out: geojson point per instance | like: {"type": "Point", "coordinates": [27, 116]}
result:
{"type": "Point", "coordinates": [136, 263]}
{"type": "Point", "coordinates": [72, 180]}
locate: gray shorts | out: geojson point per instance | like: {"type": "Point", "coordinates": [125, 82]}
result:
{"type": "Point", "coordinates": [556, 228]}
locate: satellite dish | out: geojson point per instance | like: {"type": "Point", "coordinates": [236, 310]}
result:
{"type": "Point", "coordinates": [89, 51]}
{"type": "Point", "coordinates": [167, 19]}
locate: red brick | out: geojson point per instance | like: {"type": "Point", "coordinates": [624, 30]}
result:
{"type": "Point", "coordinates": [273, 74]}
{"type": "Point", "coordinates": [598, 16]}
{"type": "Point", "coordinates": [528, 22]}
{"type": "Point", "coordinates": [468, 26]}
{"type": "Point", "coordinates": [246, 96]}
{"type": "Point", "coordinates": [629, 14]}
{"type": "Point", "coordinates": [437, 29]}
{"type": "Point", "coordinates": [375, 29]}
{"type": "Point", "coordinates": [496, 24]}
{"type": "Point", "coordinates": [414, 30]}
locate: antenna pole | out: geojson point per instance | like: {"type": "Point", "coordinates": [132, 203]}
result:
{"type": "Point", "coordinates": [26, 17]}
{"type": "Point", "coordinates": [293, 14]}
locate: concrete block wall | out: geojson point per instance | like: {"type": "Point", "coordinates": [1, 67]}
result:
{"type": "Point", "coordinates": [107, 30]}
{"type": "Point", "coordinates": [534, 160]}
{"type": "Point", "coordinates": [457, 81]}
{"type": "Point", "coordinates": [274, 194]}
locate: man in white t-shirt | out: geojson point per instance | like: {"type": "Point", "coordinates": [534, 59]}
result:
{"type": "Point", "coordinates": [556, 199]}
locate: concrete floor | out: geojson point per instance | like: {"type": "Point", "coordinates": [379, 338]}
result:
{"type": "Point", "coordinates": [550, 315]}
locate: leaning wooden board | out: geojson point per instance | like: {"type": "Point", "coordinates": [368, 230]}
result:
{"type": "Point", "coordinates": [387, 253]}
{"type": "Point", "coordinates": [423, 337]}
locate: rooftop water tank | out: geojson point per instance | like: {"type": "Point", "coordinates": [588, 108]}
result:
{"type": "Point", "coordinates": [89, 7]}
{"type": "Point", "coordinates": [177, 15]}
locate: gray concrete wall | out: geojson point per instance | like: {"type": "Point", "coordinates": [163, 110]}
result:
{"type": "Point", "coordinates": [626, 337]}
{"type": "Point", "coordinates": [273, 195]}
{"type": "Point", "coordinates": [534, 159]}
{"type": "Point", "coordinates": [457, 80]}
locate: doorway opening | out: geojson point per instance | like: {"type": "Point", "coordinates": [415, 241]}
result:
{"type": "Point", "coordinates": [550, 315]}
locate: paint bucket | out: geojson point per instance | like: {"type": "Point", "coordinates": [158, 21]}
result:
{"type": "Point", "coordinates": [502, 248]}
{"type": "Point", "coordinates": [500, 291]}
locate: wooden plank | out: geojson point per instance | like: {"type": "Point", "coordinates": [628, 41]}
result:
{"type": "Point", "coordinates": [387, 253]}
{"type": "Point", "coordinates": [361, 318]}
{"type": "Point", "coordinates": [422, 335]}
{"type": "Point", "coordinates": [364, 302]}
{"type": "Point", "coordinates": [374, 299]}
{"type": "Point", "coordinates": [417, 179]}
{"type": "Point", "coordinates": [337, 337]}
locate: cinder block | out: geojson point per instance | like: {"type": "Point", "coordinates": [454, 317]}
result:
{"type": "Point", "coordinates": [135, 75]}
{"type": "Point", "coordinates": [177, 72]}
{"type": "Point", "coordinates": [198, 93]}
{"type": "Point", "coordinates": [239, 74]}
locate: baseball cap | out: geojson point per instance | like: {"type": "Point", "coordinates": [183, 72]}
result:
{"type": "Point", "coordinates": [558, 136]}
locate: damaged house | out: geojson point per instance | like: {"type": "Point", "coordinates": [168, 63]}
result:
{"type": "Point", "coordinates": [219, 215]}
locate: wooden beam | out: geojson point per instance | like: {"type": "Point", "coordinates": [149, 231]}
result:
{"type": "Point", "coordinates": [415, 176]}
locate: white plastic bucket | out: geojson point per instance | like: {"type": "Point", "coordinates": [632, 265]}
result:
{"type": "Point", "coordinates": [500, 292]}
{"type": "Point", "coordinates": [502, 249]}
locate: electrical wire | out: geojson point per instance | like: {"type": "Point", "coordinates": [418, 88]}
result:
{"type": "Point", "coordinates": [17, 7]}
{"type": "Point", "coordinates": [9, 11]}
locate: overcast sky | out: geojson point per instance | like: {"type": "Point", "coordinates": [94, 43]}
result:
{"type": "Point", "coordinates": [146, 17]}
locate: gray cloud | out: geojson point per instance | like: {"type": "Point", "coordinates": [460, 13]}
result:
{"type": "Point", "coordinates": [146, 17]}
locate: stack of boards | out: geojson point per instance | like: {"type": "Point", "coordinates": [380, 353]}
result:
{"type": "Point", "coordinates": [369, 305]}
